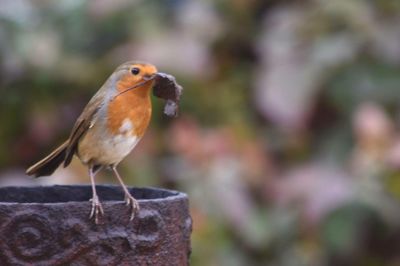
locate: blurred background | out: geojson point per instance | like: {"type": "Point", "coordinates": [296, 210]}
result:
{"type": "Point", "coordinates": [288, 141]}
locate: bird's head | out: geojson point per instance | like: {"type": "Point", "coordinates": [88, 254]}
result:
{"type": "Point", "coordinates": [135, 75]}
{"type": "Point", "coordinates": [139, 78]}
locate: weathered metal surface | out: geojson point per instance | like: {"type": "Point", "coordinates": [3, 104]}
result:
{"type": "Point", "coordinates": [51, 226]}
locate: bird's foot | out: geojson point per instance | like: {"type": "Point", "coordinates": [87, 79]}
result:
{"type": "Point", "coordinates": [134, 205]}
{"type": "Point", "coordinates": [96, 209]}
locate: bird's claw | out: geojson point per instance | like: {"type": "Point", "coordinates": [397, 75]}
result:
{"type": "Point", "coordinates": [96, 209]}
{"type": "Point", "coordinates": [134, 205]}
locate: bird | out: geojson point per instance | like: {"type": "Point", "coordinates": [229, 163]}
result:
{"type": "Point", "coordinates": [108, 129]}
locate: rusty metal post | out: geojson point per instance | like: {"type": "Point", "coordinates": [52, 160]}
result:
{"type": "Point", "coordinates": [50, 226]}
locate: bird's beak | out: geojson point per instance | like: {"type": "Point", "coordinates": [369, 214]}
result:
{"type": "Point", "coordinates": [145, 78]}
{"type": "Point", "coordinates": [149, 77]}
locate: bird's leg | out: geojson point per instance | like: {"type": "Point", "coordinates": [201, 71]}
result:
{"type": "Point", "coordinates": [96, 205]}
{"type": "Point", "coordinates": [129, 199]}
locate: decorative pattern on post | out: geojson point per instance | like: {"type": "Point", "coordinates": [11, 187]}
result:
{"type": "Point", "coordinates": [50, 226]}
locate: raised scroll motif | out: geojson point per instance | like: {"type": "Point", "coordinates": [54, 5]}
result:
{"type": "Point", "coordinates": [30, 238]}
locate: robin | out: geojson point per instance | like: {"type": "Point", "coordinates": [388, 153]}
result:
{"type": "Point", "coordinates": [110, 126]}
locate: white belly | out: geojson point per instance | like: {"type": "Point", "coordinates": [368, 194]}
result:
{"type": "Point", "coordinates": [100, 147]}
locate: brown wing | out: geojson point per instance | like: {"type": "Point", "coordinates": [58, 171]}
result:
{"type": "Point", "coordinates": [83, 123]}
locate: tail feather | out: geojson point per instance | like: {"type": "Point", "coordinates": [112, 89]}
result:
{"type": "Point", "coordinates": [50, 163]}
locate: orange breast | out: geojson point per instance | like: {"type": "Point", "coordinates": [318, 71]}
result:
{"type": "Point", "coordinates": [134, 105]}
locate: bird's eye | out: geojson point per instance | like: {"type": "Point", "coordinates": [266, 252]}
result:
{"type": "Point", "coordinates": [135, 70]}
